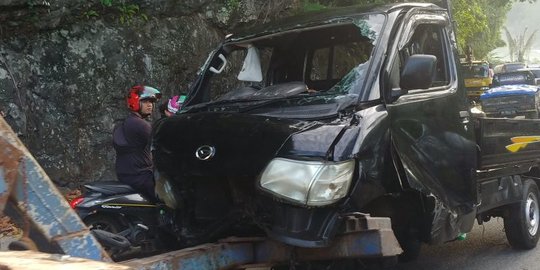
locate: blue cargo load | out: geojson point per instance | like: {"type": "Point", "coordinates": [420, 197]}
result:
{"type": "Point", "coordinates": [510, 90]}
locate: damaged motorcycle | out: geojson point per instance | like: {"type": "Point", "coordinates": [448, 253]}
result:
{"type": "Point", "coordinates": [124, 221]}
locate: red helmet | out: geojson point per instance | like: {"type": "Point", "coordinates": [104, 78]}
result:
{"type": "Point", "coordinates": [138, 93]}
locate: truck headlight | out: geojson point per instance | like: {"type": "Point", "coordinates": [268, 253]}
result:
{"type": "Point", "coordinates": [312, 183]}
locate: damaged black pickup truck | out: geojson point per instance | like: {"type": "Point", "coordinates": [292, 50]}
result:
{"type": "Point", "coordinates": [337, 123]}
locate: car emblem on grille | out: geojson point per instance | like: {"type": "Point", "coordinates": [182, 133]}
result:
{"type": "Point", "coordinates": [205, 152]}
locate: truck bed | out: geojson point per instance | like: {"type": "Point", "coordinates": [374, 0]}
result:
{"type": "Point", "coordinates": [494, 134]}
{"type": "Point", "coordinates": [499, 170]}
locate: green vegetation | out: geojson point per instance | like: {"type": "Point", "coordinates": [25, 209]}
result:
{"type": "Point", "coordinates": [494, 59]}
{"type": "Point", "coordinates": [519, 45]}
{"type": "Point", "coordinates": [312, 6]}
{"type": "Point", "coordinates": [479, 24]}
{"type": "Point", "coordinates": [107, 3]}
{"type": "Point", "coordinates": [90, 14]}
{"type": "Point", "coordinates": [232, 4]}
{"type": "Point", "coordinates": [126, 12]}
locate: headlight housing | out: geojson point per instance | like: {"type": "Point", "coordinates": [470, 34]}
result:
{"type": "Point", "coordinates": [312, 183]}
{"type": "Point", "coordinates": [164, 191]}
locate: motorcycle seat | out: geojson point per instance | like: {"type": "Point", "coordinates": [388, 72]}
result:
{"type": "Point", "coordinates": [110, 187]}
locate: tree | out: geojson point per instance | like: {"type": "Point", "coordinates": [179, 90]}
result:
{"type": "Point", "coordinates": [519, 46]}
{"type": "Point", "coordinates": [484, 32]}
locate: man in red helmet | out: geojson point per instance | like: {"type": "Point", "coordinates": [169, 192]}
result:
{"type": "Point", "coordinates": [131, 140]}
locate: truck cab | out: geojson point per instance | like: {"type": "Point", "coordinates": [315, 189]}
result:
{"type": "Point", "coordinates": [477, 77]}
{"type": "Point", "coordinates": [305, 123]}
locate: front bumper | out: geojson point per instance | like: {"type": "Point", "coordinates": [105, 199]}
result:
{"type": "Point", "coordinates": [475, 93]}
{"type": "Point", "coordinates": [325, 228]}
{"type": "Point", "coordinates": [509, 112]}
{"type": "Point", "coordinates": [365, 237]}
{"type": "Point", "coordinates": [362, 236]}
{"type": "Point", "coordinates": [304, 227]}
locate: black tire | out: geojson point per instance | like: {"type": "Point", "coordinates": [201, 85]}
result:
{"type": "Point", "coordinates": [521, 224]}
{"type": "Point", "coordinates": [411, 249]}
{"type": "Point", "coordinates": [104, 225]}
{"type": "Point", "coordinates": [104, 222]}
{"type": "Point", "coordinates": [382, 263]}
{"type": "Point", "coordinates": [111, 240]}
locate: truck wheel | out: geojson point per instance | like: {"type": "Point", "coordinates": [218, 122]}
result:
{"type": "Point", "coordinates": [411, 249]}
{"type": "Point", "coordinates": [522, 222]}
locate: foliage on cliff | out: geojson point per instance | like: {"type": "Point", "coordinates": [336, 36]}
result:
{"type": "Point", "coordinates": [479, 22]}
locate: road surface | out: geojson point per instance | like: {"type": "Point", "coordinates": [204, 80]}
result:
{"type": "Point", "coordinates": [485, 248]}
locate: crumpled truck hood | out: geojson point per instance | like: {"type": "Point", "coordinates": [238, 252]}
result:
{"type": "Point", "coordinates": [243, 143]}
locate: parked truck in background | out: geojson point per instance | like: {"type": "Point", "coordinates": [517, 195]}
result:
{"type": "Point", "coordinates": [515, 94]}
{"type": "Point", "coordinates": [508, 67]}
{"type": "Point", "coordinates": [477, 77]}
{"type": "Point", "coordinates": [338, 116]}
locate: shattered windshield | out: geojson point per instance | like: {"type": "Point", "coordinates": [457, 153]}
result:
{"type": "Point", "coordinates": [328, 62]}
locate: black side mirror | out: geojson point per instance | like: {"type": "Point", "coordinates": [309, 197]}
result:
{"type": "Point", "coordinates": [418, 72]}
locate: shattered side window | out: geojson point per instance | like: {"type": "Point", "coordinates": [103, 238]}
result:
{"type": "Point", "coordinates": [319, 69]}
{"type": "Point", "coordinates": [351, 83]}
{"type": "Point", "coordinates": [346, 58]}
{"type": "Point", "coordinates": [370, 28]}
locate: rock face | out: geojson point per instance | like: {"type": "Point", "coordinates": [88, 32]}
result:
{"type": "Point", "coordinates": [66, 65]}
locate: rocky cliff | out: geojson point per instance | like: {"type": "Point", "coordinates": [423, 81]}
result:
{"type": "Point", "coordinates": [66, 65]}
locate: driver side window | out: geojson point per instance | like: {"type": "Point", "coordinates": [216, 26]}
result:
{"type": "Point", "coordinates": [426, 39]}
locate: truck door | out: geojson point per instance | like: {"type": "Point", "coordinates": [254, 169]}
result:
{"type": "Point", "coordinates": [430, 127]}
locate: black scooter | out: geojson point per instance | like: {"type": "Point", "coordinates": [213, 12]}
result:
{"type": "Point", "coordinates": [125, 222]}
